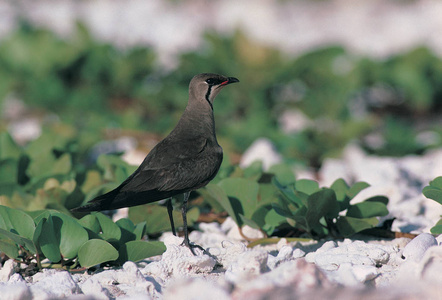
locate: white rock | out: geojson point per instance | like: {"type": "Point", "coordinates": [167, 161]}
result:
{"type": "Point", "coordinates": [92, 287]}
{"type": "Point", "coordinates": [294, 121]}
{"type": "Point", "coordinates": [430, 267]}
{"type": "Point", "coordinates": [178, 261]}
{"type": "Point", "coordinates": [298, 253]}
{"type": "Point", "coordinates": [247, 232]}
{"type": "Point", "coordinates": [248, 265]}
{"type": "Point", "coordinates": [297, 274]}
{"type": "Point", "coordinates": [365, 273]}
{"type": "Point", "coordinates": [439, 239]}
{"type": "Point", "coordinates": [7, 270]}
{"type": "Point", "coordinates": [24, 130]}
{"type": "Point", "coordinates": [333, 261]}
{"type": "Point", "coordinates": [15, 291]}
{"type": "Point", "coordinates": [195, 289]}
{"type": "Point", "coordinates": [261, 150]}
{"type": "Point", "coordinates": [282, 243]}
{"type": "Point", "coordinates": [285, 254]}
{"type": "Point", "coordinates": [211, 235]}
{"type": "Point", "coordinates": [310, 257]}
{"type": "Point", "coordinates": [356, 253]}
{"type": "Point", "coordinates": [350, 274]}
{"type": "Point", "coordinates": [228, 224]}
{"type": "Point", "coordinates": [53, 284]}
{"type": "Point", "coordinates": [229, 252]}
{"type": "Point", "coordinates": [126, 281]}
{"type": "Point", "coordinates": [416, 249]}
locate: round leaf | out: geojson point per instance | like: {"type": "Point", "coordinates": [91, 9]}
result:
{"type": "Point", "coordinates": [110, 230]}
{"type": "Point", "coordinates": [17, 221]}
{"type": "Point", "coordinates": [71, 234]}
{"type": "Point", "coordinates": [367, 209]}
{"type": "Point", "coordinates": [95, 252]}
{"type": "Point", "coordinates": [138, 250]}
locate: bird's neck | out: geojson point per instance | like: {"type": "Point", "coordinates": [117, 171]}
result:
{"type": "Point", "coordinates": [197, 120]}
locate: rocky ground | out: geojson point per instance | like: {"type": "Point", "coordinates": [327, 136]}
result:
{"type": "Point", "coordinates": [364, 267]}
{"type": "Point", "coordinates": [367, 269]}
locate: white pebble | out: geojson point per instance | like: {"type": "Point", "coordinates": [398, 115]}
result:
{"type": "Point", "coordinates": [263, 150]}
{"type": "Point", "coordinates": [195, 289]}
{"type": "Point", "coordinates": [16, 291]}
{"type": "Point", "coordinates": [416, 249]}
{"type": "Point", "coordinates": [7, 270]}
{"type": "Point", "coordinates": [53, 284]}
{"type": "Point", "coordinates": [248, 265]}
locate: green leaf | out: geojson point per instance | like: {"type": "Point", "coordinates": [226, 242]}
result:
{"type": "Point", "coordinates": [37, 233]}
{"type": "Point", "coordinates": [266, 217]}
{"type": "Point", "coordinates": [140, 230]}
{"type": "Point", "coordinates": [139, 250]}
{"type": "Point", "coordinates": [283, 211]}
{"type": "Point", "coordinates": [9, 248]}
{"type": "Point", "coordinates": [156, 217]}
{"type": "Point", "coordinates": [284, 174]}
{"type": "Point", "coordinates": [63, 236]}
{"type": "Point", "coordinates": [49, 241]}
{"type": "Point", "coordinates": [127, 228]}
{"type": "Point", "coordinates": [288, 193]}
{"type": "Point", "coordinates": [341, 188]}
{"type": "Point", "coordinates": [249, 222]}
{"type": "Point", "coordinates": [38, 215]}
{"type": "Point", "coordinates": [8, 171]}
{"type": "Point", "coordinates": [8, 148]}
{"type": "Point", "coordinates": [367, 209]}
{"type": "Point", "coordinates": [381, 199]}
{"type": "Point", "coordinates": [232, 206]}
{"type": "Point", "coordinates": [110, 230]}
{"type": "Point", "coordinates": [348, 226]}
{"type": "Point", "coordinates": [71, 234]}
{"type": "Point", "coordinates": [16, 221]}
{"type": "Point", "coordinates": [19, 240]}
{"type": "Point", "coordinates": [253, 171]}
{"type": "Point", "coordinates": [96, 251]}
{"type": "Point", "coordinates": [321, 204]}
{"type": "Point", "coordinates": [115, 168]}
{"type": "Point", "coordinates": [90, 222]}
{"type": "Point", "coordinates": [62, 165]}
{"type": "Point", "coordinates": [356, 188]}
{"type": "Point", "coordinates": [126, 224]}
{"type": "Point", "coordinates": [434, 190]}
{"type": "Point", "coordinates": [437, 229]}
{"type": "Point", "coordinates": [307, 186]}
{"type": "Point", "coordinates": [244, 191]}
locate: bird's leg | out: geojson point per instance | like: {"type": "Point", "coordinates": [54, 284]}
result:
{"type": "Point", "coordinates": [186, 241]}
{"type": "Point", "coordinates": [169, 211]}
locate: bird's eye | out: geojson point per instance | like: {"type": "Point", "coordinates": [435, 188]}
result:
{"type": "Point", "coordinates": [210, 81]}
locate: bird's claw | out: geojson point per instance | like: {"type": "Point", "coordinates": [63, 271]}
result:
{"type": "Point", "coordinates": [187, 244]}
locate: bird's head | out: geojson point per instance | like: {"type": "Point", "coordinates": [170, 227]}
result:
{"type": "Point", "coordinates": [205, 87]}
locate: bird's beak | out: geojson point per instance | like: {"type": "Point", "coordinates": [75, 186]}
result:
{"type": "Point", "coordinates": [229, 81]}
{"type": "Point", "coordinates": [232, 80]}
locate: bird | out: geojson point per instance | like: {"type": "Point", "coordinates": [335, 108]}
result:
{"type": "Point", "coordinates": [185, 160]}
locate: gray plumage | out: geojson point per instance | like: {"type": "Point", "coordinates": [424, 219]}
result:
{"type": "Point", "coordinates": [187, 159]}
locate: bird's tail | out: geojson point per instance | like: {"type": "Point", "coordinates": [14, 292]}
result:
{"type": "Point", "coordinates": [102, 202]}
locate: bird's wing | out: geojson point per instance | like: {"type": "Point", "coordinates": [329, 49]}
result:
{"type": "Point", "coordinates": [172, 166]}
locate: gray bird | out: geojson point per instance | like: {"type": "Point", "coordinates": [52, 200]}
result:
{"type": "Point", "coordinates": [186, 160]}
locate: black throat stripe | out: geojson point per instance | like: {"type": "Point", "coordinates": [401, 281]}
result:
{"type": "Point", "coordinates": [208, 95]}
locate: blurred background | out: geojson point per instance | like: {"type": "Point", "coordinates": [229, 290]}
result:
{"type": "Point", "coordinates": [82, 78]}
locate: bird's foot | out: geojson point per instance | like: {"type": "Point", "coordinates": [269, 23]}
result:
{"type": "Point", "coordinates": [192, 246]}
